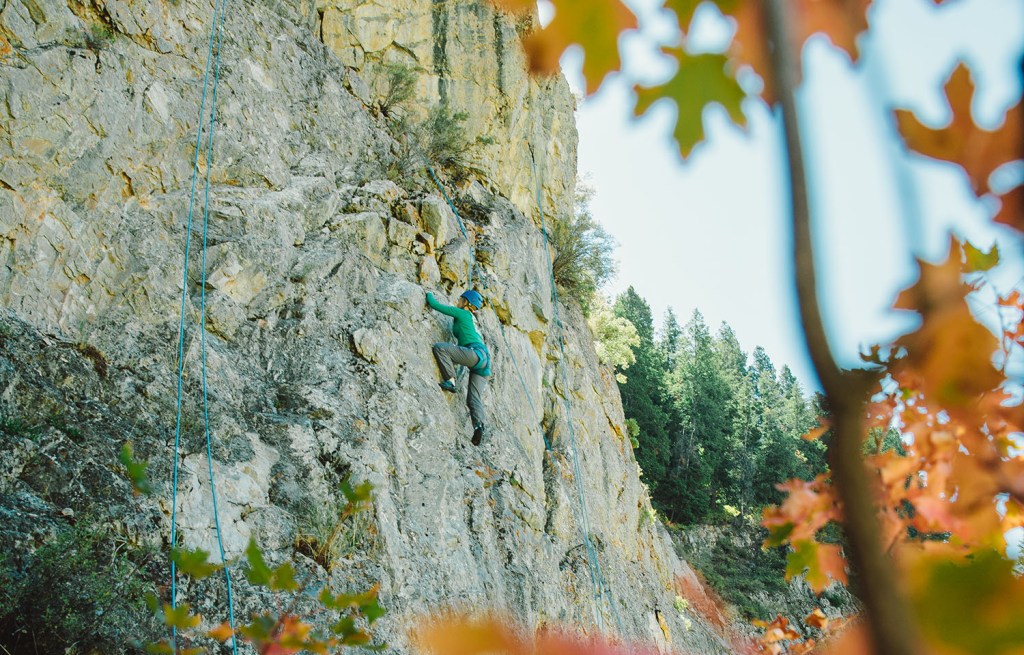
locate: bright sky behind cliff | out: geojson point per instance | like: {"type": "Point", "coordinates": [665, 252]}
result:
{"type": "Point", "coordinates": [713, 233]}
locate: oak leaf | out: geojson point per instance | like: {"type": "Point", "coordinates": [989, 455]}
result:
{"type": "Point", "coordinates": [594, 26]}
{"type": "Point", "coordinates": [700, 80]}
{"type": "Point", "coordinates": [979, 151]}
{"type": "Point", "coordinates": [841, 21]}
{"type": "Point", "coordinates": [977, 260]}
{"type": "Point", "coordinates": [816, 619]}
{"type": "Point", "coordinates": [823, 563]}
{"type": "Point", "coordinates": [951, 351]}
{"type": "Point", "coordinates": [222, 632]}
{"type": "Point", "coordinates": [1011, 208]}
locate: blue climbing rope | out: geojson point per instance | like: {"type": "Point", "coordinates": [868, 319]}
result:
{"type": "Point", "coordinates": [216, 33]}
{"type": "Point", "coordinates": [202, 323]}
{"type": "Point", "coordinates": [462, 226]}
{"type": "Point", "coordinates": [597, 576]}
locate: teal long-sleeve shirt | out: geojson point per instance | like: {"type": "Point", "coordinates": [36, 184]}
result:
{"type": "Point", "coordinates": [463, 326]}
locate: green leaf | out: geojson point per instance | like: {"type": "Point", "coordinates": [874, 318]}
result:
{"type": "Point", "coordinates": [259, 629]}
{"type": "Point", "coordinates": [777, 535]}
{"type": "Point", "coordinates": [180, 617]}
{"type": "Point", "coordinates": [357, 495]}
{"type": "Point", "coordinates": [259, 573]}
{"type": "Point", "coordinates": [685, 9]}
{"type": "Point", "coordinates": [699, 81]}
{"type": "Point", "coordinates": [193, 562]}
{"type": "Point", "coordinates": [136, 470]}
{"type": "Point", "coordinates": [344, 626]}
{"type": "Point", "coordinates": [978, 261]}
{"type": "Point", "coordinates": [349, 601]}
{"type": "Point", "coordinates": [358, 638]}
{"type": "Point", "coordinates": [372, 611]}
{"type": "Point", "coordinates": [283, 578]}
{"type": "Point", "coordinates": [152, 602]}
{"type": "Point", "coordinates": [972, 606]}
{"type": "Point", "coordinates": [822, 563]}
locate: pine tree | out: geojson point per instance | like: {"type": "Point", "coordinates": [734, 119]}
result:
{"type": "Point", "coordinates": [732, 362]}
{"type": "Point", "coordinates": [705, 405]}
{"type": "Point", "coordinates": [775, 457]}
{"type": "Point", "coordinates": [644, 397]}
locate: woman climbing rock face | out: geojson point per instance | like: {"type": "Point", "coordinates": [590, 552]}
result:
{"type": "Point", "coordinates": [470, 352]}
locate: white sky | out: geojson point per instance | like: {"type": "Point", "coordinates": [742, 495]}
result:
{"type": "Point", "coordinates": [712, 233]}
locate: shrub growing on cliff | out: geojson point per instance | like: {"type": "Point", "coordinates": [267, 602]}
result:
{"type": "Point", "coordinates": [399, 89]}
{"type": "Point", "coordinates": [444, 139]}
{"type": "Point", "coordinates": [82, 592]}
{"type": "Point", "coordinates": [440, 140]}
{"type": "Point", "coordinates": [583, 253]}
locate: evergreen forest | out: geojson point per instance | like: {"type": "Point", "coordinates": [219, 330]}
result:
{"type": "Point", "coordinates": [718, 428]}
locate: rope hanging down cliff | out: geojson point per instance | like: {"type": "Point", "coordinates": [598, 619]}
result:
{"type": "Point", "coordinates": [216, 32]}
{"type": "Point", "coordinates": [597, 576]}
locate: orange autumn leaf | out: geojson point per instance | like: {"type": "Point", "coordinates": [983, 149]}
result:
{"type": "Point", "coordinates": [841, 21]}
{"type": "Point", "coordinates": [962, 141]}
{"type": "Point", "coordinates": [855, 640]}
{"type": "Point", "coordinates": [939, 284]}
{"type": "Point", "coordinates": [452, 634]}
{"type": "Point", "coordinates": [815, 433]}
{"type": "Point", "coordinates": [807, 508]}
{"type": "Point", "coordinates": [951, 351]}
{"type": "Point", "coordinates": [222, 632]}
{"type": "Point", "coordinates": [1014, 517]}
{"type": "Point", "coordinates": [1011, 208]}
{"type": "Point", "coordinates": [594, 26]}
{"type": "Point", "coordinates": [802, 647]}
{"type": "Point", "coordinates": [816, 619]}
{"type": "Point", "coordinates": [821, 564]}
{"type": "Point", "coordinates": [777, 630]}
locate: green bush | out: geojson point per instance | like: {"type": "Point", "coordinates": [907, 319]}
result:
{"type": "Point", "coordinates": [83, 592]}
{"type": "Point", "coordinates": [583, 260]}
{"type": "Point", "coordinates": [399, 89]}
{"type": "Point", "coordinates": [614, 337]}
{"type": "Point", "coordinates": [444, 138]}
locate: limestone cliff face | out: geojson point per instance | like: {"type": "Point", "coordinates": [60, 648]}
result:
{"type": "Point", "coordinates": [466, 56]}
{"type": "Point", "coordinates": [318, 339]}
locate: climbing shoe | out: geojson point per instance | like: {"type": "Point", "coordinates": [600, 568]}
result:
{"type": "Point", "coordinates": [478, 434]}
{"type": "Point", "coordinates": [448, 385]}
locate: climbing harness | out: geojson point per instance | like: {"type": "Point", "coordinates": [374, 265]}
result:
{"type": "Point", "coordinates": [597, 576]}
{"type": "Point", "coordinates": [216, 33]}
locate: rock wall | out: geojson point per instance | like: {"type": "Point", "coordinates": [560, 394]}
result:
{"type": "Point", "coordinates": [318, 339]}
{"type": "Point", "coordinates": [466, 56]}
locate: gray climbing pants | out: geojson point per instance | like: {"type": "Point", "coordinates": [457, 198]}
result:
{"type": "Point", "coordinates": [447, 356]}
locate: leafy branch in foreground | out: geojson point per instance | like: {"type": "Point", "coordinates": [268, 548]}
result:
{"type": "Point", "coordinates": [270, 633]}
{"type": "Point", "coordinates": [282, 633]}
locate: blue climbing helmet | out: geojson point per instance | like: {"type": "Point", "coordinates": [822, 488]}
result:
{"type": "Point", "coordinates": [473, 298]}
